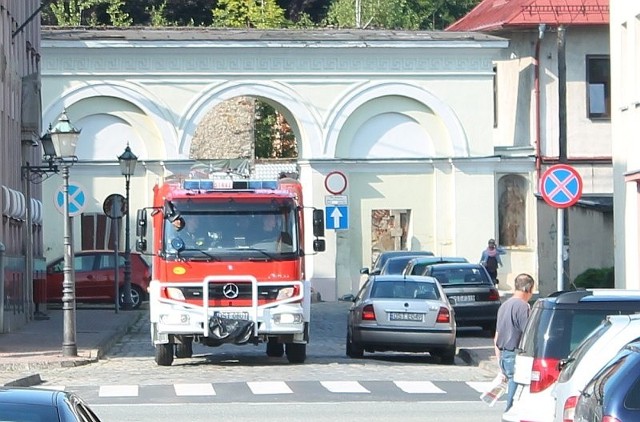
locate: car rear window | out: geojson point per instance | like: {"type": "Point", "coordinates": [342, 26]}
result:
{"type": "Point", "coordinates": [581, 350]}
{"type": "Point", "coordinates": [27, 412]}
{"type": "Point", "coordinates": [404, 290]}
{"type": "Point", "coordinates": [554, 333]}
{"type": "Point", "coordinates": [461, 276]}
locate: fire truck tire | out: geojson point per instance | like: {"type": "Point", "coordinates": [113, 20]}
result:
{"type": "Point", "coordinates": [275, 349]}
{"type": "Point", "coordinates": [164, 354]}
{"type": "Point", "coordinates": [184, 349]}
{"type": "Point", "coordinates": [296, 352]}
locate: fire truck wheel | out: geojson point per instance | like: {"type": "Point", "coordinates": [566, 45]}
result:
{"type": "Point", "coordinates": [184, 349]}
{"type": "Point", "coordinates": [164, 354]}
{"type": "Point", "coordinates": [275, 349]}
{"type": "Point", "coordinates": [296, 352]}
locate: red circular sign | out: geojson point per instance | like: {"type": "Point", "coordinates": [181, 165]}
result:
{"type": "Point", "coordinates": [335, 182]}
{"type": "Point", "coordinates": [561, 186]}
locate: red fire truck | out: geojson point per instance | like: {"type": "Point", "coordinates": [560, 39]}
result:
{"type": "Point", "coordinates": [228, 266]}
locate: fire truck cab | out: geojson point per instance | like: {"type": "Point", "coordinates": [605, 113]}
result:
{"type": "Point", "coordinates": [228, 266]}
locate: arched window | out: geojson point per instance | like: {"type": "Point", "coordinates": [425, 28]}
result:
{"type": "Point", "coordinates": [512, 210]}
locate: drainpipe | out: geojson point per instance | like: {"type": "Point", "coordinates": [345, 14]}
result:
{"type": "Point", "coordinates": [536, 83]}
{"type": "Point", "coordinates": [2, 249]}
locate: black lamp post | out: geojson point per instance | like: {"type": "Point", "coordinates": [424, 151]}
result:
{"type": "Point", "coordinates": [128, 161]}
{"type": "Point", "coordinates": [64, 138]}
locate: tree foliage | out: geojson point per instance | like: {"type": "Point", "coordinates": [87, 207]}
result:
{"type": "Point", "coordinates": [261, 14]}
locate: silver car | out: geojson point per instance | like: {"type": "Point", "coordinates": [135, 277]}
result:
{"type": "Point", "coordinates": [403, 314]}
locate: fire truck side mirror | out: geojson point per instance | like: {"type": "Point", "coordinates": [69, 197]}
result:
{"type": "Point", "coordinates": [319, 245]}
{"type": "Point", "coordinates": [318, 223]}
{"type": "Point", "coordinates": [141, 223]}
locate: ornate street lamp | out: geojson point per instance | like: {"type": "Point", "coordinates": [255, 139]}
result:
{"type": "Point", "coordinates": [128, 161]}
{"type": "Point", "coordinates": [65, 137]}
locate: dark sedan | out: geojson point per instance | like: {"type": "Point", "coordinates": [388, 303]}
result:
{"type": "Point", "coordinates": [469, 287]}
{"type": "Point", "coordinates": [403, 314]}
{"type": "Point", "coordinates": [33, 404]}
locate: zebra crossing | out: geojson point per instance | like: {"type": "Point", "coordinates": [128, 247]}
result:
{"type": "Point", "coordinates": [302, 391]}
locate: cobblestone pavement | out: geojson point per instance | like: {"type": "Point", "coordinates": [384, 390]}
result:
{"type": "Point", "coordinates": [131, 360]}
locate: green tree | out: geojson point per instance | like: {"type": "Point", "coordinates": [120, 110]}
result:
{"type": "Point", "coordinates": [260, 14]}
{"type": "Point", "coordinates": [117, 15]}
{"type": "Point", "coordinates": [389, 14]}
{"type": "Point", "coordinates": [157, 14]}
{"type": "Point", "coordinates": [273, 135]}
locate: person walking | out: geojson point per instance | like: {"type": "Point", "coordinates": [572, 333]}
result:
{"type": "Point", "coordinates": [490, 259]}
{"type": "Point", "coordinates": [512, 318]}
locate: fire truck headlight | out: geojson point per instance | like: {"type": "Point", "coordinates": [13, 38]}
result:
{"type": "Point", "coordinates": [285, 293]}
{"type": "Point", "coordinates": [287, 318]}
{"type": "Point", "coordinates": [175, 293]}
{"type": "Point", "coordinates": [175, 319]}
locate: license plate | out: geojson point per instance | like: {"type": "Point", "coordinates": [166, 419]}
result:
{"type": "Point", "coordinates": [233, 315]}
{"type": "Point", "coordinates": [404, 316]}
{"type": "Point", "coordinates": [464, 298]}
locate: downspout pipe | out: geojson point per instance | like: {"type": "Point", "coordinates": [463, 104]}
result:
{"type": "Point", "coordinates": [536, 84]}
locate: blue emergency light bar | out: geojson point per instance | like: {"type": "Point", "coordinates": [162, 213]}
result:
{"type": "Point", "coordinates": [228, 184]}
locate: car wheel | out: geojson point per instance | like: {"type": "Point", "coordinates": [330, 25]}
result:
{"type": "Point", "coordinates": [184, 349]}
{"type": "Point", "coordinates": [353, 349]}
{"type": "Point", "coordinates": [448, 356]}
{"type": "Point", "coordinates": [164, 354]}
{"type": "Point", "coordinates": [274, 349]}
{"type": "Point", "coordinates": [296, 352]}
{"type": "Point", "coordinates": [136, 297]}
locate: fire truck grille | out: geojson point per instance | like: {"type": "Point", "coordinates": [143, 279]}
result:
{"type": "Point", "coordinates": [222, 291]}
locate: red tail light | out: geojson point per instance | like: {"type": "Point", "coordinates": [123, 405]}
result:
{"type": "Point", "coordinates": [368, 314]}
{"type": "Point", "coordinates": [569, 411]}
{"type": "Point", "coordinates": [543, 374]}
{"type": "Point", "coordinates": [443, 315]}
{"type": "Point", "coordinates": [607, 418]}
{"type": "Point", "coordinates": [494, 295]}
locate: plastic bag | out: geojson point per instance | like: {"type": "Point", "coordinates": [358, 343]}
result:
{"type": "Point", "coordinates": [497, 390]}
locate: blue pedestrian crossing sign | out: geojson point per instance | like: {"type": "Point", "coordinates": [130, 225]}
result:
{"type": "Point", "coordinates": [77, 199]}
{"type": "Point", "coordinates": [336, 212]}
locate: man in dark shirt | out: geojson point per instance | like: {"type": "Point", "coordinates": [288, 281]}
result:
{"type": "Point", "coordinates": [512, 318]}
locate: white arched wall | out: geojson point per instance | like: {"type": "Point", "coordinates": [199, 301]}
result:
{"type": "Point", "coordinates": [135, 94]}
{"type": "Point", "coordinates": [369, 91]}
{"type": "Point", "coordinates": [304, 122]}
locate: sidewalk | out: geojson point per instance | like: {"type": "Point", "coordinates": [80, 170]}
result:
{"type": "Point", "coordinates": [38, 344]}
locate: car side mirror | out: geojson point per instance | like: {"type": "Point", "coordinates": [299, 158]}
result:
{"type": "Point", "coordinates": [347, 298]}
{"type": "Point", "coordinates": [364, 270]}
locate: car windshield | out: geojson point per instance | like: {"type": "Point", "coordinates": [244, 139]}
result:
{"type": "Point", "coordinates": [401, 289]}
{"type": "Point", "coordinates": [27, 412]}
{"type": "Point", "coordinates": [244, 231]}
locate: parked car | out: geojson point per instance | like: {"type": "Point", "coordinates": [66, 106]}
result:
{"type": "Point", "coordinates": [403, 314]}
{"type": "Point", "coordinates": [383, 256]}
{"type": "Point", "coordinates": [95, 277]}
{"type": "Point", "coordinates": [33, 404]}
{"type": "Point", "coordinates": [556, 326]}
{"type": "Point", "coordinates": [613, 395]}
{"type": "Point", "coordinates": [474, 297]}
{"type": "Point", "coordinates": [418, 265]}
{"type": "Point", "coordinates": [588, 358]}
{"type": "Point", "coordinates": [395, 264]}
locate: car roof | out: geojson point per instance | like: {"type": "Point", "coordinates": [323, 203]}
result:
{"type": "Point", "coordinates": [400, 277]}
{"type": "Point", "coordinates": [590, 296]}
{"type": "Point", "coordinates": [391, 254]}
{"type": "Point", "coordinates": [447, 265]}
{"type": "Point", "coordinates": [436, 259]}
{"type": "Point", "coordinates": [29, 395]}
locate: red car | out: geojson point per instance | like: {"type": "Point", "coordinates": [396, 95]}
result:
{"type": "Point", "coordinates": [95, 277]}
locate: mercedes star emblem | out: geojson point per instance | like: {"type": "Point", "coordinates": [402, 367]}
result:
{"type": "Point", "coordinates": [230, 290]}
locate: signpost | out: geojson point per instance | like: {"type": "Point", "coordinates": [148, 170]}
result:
{"type": "Point", "coordinates": [115, 206]}
{"type": "Point", "coordinates": [561, 187]}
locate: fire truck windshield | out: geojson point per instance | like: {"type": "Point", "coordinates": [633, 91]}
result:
{"type": "Point", "coordinates": [248, 231]}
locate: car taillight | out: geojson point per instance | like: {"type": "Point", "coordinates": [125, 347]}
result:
{"type": "Point", "coordinates": [608, 418]}
{"type": "Point", "coordinates": [443, 315]}
{"type": "Point", "coordinates": [494, 295]}
{"type": "Point", "coordinates": [543, 374]}
{"type": "Point", "coordinates": [569, 410]}
{"type": "Point", "coordinates": [368, 314]}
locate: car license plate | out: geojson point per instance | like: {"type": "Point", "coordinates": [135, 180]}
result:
{"type": "Point", "coordinates": [233, 315]}
{"type": "Point", "coordinates": [464, 298]}
{"type": "Point", "coordinates": [404, 316]}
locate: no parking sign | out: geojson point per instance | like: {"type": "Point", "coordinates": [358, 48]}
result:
{"type": "Point", "coordinates": [561, 186]}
